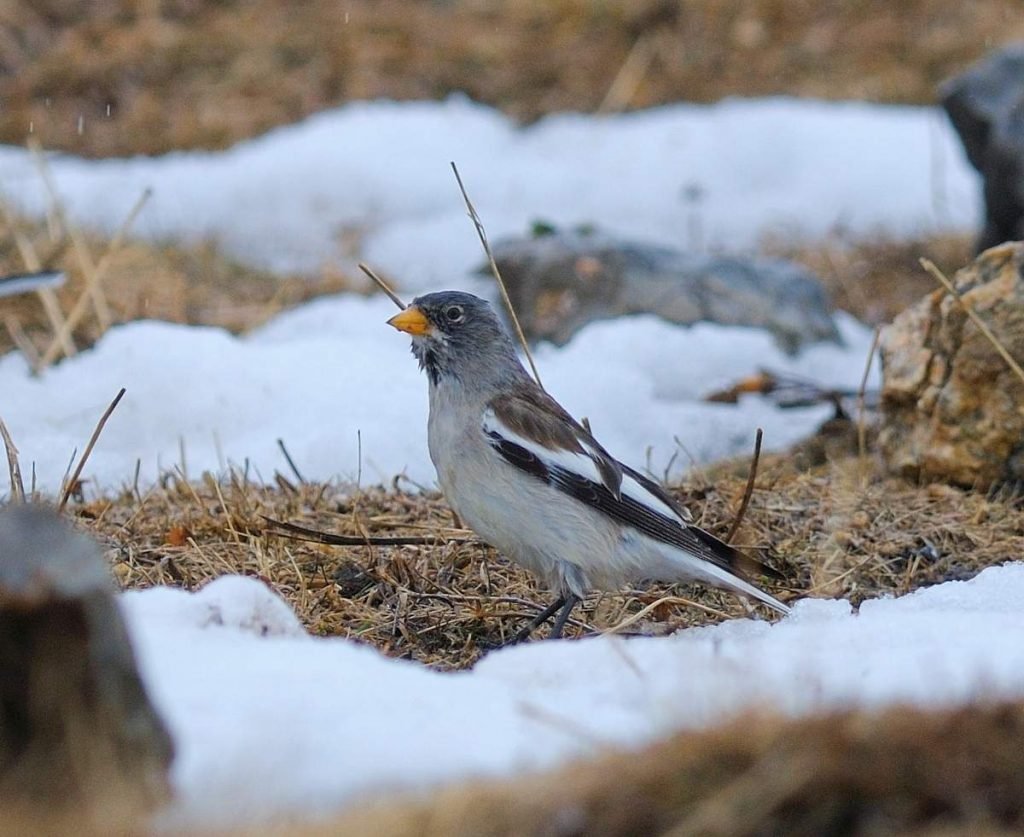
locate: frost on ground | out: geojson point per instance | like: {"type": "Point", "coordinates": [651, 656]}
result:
{"type": "Point", "coordinates": [269, 721]}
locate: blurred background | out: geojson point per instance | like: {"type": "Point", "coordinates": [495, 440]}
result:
{"type": "Point", "coordinates": [122, 77]}
{"type": "Point", "coordinates": [145, 77]}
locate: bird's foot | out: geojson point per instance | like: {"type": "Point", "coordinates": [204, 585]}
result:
{"type": "Point", "coordinates": [570, 602]}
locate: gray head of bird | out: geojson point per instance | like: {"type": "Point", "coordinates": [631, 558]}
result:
{"type": "Point", "coordinates": [456, 336]}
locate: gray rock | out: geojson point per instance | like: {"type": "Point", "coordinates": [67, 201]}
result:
{"type": "Point", "coordinates": [986, 106]}
{"type": "Point", "coordinates": [80, 742]}
{"type": "Point", "coordinates": [559, 282]}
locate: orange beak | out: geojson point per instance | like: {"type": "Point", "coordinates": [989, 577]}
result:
{"type": "Point", "coordinates": [412, 321]}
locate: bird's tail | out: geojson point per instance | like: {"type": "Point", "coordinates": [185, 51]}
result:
{"type": "Point", "coordinates": [732, 568]}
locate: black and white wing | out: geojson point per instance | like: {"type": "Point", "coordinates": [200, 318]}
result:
{"type": "Point", "coordinates": [532, 432]}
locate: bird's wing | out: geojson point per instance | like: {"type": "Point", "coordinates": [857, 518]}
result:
{"type": "Point", "coordinates": [532, 432]}
{"type": "Point", "coordinates": [529, 418]}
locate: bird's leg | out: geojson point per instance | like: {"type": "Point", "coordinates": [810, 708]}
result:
{"type": "Point", "coordinates": [570, 602]}
{"type": "Point", "coordinates": [538, 620]}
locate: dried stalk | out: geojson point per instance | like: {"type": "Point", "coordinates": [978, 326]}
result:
{"type": "Point", "coordinates": [47, 297]}
{"type": "Point", "coordinates": [380, 283]}
{"type": "Point", "coordinates": [25, 346]}
{"type": "Point", "coordinates": [929, 265]}
{"type": "Point", "coordinates": [14, 469]}
{"type": "Point", "coordinates": [71, 482]}
{"type": "Point", "coordinates": [319, 536]}
{"type": "Point", "coordinates": [861, 424]}
{"type": "Point", "coordinates": [630, 75]}
{"type": "Point", "coordinates": [291, 462]}
{"type": "Point", "coordinates": [749, 490]}
{"type": "Point", "coordinates": [93, 288]}
{"type": "Point", "coordinates": [482, 233]}
{"type": "Point", "coordinates": [79, 309]}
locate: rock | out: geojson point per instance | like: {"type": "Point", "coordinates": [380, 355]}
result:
{"type": "Point", "coordinates": [952, 409]}
{"type": "Point", "coordinates": [79, 740]}
{"type": "Point", "coordinates": [561, 281]}
{"type": "Point", "coordinates": [986, 106]}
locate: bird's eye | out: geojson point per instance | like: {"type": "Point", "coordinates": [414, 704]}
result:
{"type": "Point", "coordinates": [453, 313]}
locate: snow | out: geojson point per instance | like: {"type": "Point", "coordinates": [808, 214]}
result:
{"type": "Point", "coordinates": [332, 382]}
{"type": "Point", "coordinates": [341, 389]}
{"type": "Point", "coordinates": [269, 721]}
{"type": "Point", "coordinates": [790, 167]}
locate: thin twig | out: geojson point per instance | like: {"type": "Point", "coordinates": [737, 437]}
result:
{"type": "Point", "coordinates": [929, 265]}
{"type": "Point", "coordinates": [861, 424]}
{"type": "Point", "coordinates": [70, 465]}
{"type": "Point", "coordinates": [47, 297]}
{"type": "Point", "coordinates": [291, 463]}
{"type": "Point", "coordinates": [676, 600]}
{"type": "Point", "coordinates": [825, 584]}
{"type": "Point", "coordinates": [17, 484]}
{"type": "Point", "coordinates": [318, 536]}
{"type": "Point", "coordinates": [630, 75]}
{"type": "Point", "coordinates": [51, 306]}
{"type": "Point", "coordinates": [70, 484]}
{"type": "Point", "coordinates": [81, 306]}
{"type": "Point", "coordinates": [93, 287]}
{"type": "Point", "coordinates": [380, 283]}
{"type": "Point", "coordinates": [482, 233]}
{"type": "Point", "coordinates": [749, 490]}
{"type": "Point", "coordinates": [24, 344]}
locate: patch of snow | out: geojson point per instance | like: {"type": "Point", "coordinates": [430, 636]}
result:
{"type": "Point", "coordinates": [269, 724]}
{"type": "Point", "coordinates": [269, 721]}
{"type": "Point", "coordinates": [789, 167]}
{"type": "Point", "coordinates": [332, 380]}
{"type": "Point", "coordinates": [329, 375]}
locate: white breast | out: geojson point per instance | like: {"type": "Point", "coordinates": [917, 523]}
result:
{"type": "Point", "coordinates": [528, 521]}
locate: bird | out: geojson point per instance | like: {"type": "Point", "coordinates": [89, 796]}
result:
{"type": "Point", "coordinates": [533, 482]}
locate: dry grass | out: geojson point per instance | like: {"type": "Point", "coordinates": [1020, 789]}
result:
{"type": "Point", "coordinates": [148, 76]}
{"type": "Point", "coordinates": [901, 771]}
{"type": "Point", "coordinates": [195, 73]}
{"type": "Point", "coordinates": [829, 530]}
{"type": "Point", "coordinates": [197, 285]}
{"type": "Point", "coordinates": [873, 279]}
{"type": "Point", "coordinates": [877, 277]}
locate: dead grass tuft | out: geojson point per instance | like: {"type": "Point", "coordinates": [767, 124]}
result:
{"type": "Point", "coordinates": [901, 771]}
{"type": "Point", "coordinates": [875, 278]}
{"type": "Point", "coordinates": [829, 531]}
{"type": "Point", "coordinates": [196, 284]}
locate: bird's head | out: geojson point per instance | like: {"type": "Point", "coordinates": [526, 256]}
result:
{"type": "Point", "coordinates": [458, 335]}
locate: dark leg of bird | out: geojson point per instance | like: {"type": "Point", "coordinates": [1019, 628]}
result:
{"type": "Point", "coordinates": [570, 602]}
{"type": "Point", "coordinates": [539, 620]}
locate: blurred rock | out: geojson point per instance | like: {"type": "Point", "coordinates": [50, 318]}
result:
{"type": "Point", "coordinates": [559, 282]}
{"type": "Point", "coordinates": [80, 742]}
{"type": "Point", "coordinates": [952, 409]}
{"type": "Point", "coordinates": [986, 106]}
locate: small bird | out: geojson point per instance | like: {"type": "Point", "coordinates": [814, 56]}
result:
{"type": "Point", "coordinates": [532, 482]}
